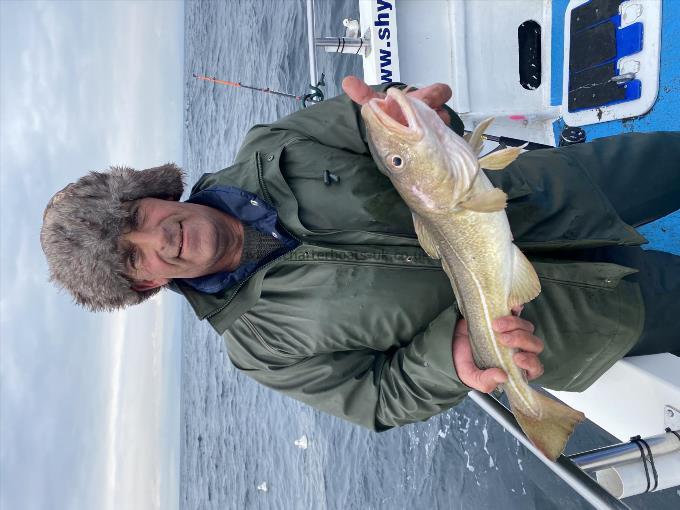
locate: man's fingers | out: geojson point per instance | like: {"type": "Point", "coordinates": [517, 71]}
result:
{"type": "Point", "coordinates": [518, 336]}
{"type": "Point", "coordinates": [530, 363]}
{"type": "Point", "coordinates": [358, 91]}
{"type": "Point", "coordinates": [361, 94]}
{"type": "Point", "coordinates": [434, 95]}
{"type": "Point", "coordinates": [462, 352]}
{"type": "Point", "coordinates": [487, 380]}
{"type": "Point", "coordinates": [482, 380]}
{"type": "Point", "coordinates": [510, 322]}
{"type": "Point", "coordinates": [461, 328]}
{"type": "Point", "coordinates": [444, 115]}
{"type": "Point", "coordinates": [522, 340]}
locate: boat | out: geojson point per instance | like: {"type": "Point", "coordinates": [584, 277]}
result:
{"type": "Point", "coordinates": [552, 73]}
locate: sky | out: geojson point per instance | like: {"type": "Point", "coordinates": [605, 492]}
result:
{"type": "Point", "coordinates": [89, 403]}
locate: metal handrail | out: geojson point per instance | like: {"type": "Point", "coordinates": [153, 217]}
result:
{"type": "Point", "coordinates": [341, 44]}
{"type": "Point", "coordinates": [613, 455]}
{"type": "Point", "coordinates": [575, 477]}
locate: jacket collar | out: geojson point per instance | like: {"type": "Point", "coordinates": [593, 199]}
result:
{"type": "Point", "coordinates": [248, 175]}
{"type": "Point", "coordinates": [250, 210]}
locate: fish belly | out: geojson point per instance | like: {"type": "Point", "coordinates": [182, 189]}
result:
{"type": "Point", "coordinates": [479, 253]}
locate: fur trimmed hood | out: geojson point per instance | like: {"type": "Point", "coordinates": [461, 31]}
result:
{"type": "Point", "coordinates": [82, 225]}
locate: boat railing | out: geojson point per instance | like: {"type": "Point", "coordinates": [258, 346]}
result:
{"type": "Point", "coordinates": [571, 474]}
{"type": "Point", "coordinates": [622, 470]}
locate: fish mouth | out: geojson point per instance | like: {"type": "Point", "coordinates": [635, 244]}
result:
{"type": "Point", "coordinates": [395, 114]}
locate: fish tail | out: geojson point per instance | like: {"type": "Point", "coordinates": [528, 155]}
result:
{"type": "Point", "coordinates": [551, 431]}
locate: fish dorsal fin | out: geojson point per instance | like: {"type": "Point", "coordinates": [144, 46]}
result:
{"type": "Point", "coordinates": [500, 159]}
{"type": "Point", "coordinates": [475, 141]}
{"type": "Point", "coordinates": [424, 237]}
{"type": "Point", "coordinates": [525, 283]}
{"type": "Point", "coordinates": [488, 201]}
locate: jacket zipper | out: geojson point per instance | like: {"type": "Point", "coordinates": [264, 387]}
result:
{"type": "Point", "coordinates": [268, 264]}
{"type": "Point", "coordinates": [238, 287]}
{"type": "Point", "coordinates": [374, 234]}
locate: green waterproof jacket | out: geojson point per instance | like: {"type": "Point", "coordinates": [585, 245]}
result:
{"type": "Point", "coordinates": [358, 320]}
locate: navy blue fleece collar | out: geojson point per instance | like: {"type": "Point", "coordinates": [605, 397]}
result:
{"type": "Point", "coordinates": [251, 210]}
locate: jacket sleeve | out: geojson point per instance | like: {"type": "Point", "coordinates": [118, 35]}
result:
{"type": "Point", "coordinates": [375, 389]}
{"type": "Point", "coordinates": [334, 122]}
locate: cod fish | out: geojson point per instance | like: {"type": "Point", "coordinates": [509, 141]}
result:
{"type": "Point", "coordinates": [459, 217]}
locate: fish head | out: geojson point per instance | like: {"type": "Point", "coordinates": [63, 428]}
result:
{"type": "Point", "coordinates": [431, 167]}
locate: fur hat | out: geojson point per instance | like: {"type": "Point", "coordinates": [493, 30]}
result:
{"type": "Point", "coordinates": [82, 225]}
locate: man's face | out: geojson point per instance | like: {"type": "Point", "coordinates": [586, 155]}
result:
{"type": "Point", "coordinates": [170, 239]}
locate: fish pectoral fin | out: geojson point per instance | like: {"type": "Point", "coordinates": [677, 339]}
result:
{"type": "Point", "coordinates": [488, 201]}
{"type": "Point", "coordinates": [475, 140]}
{"type": "Point", "coordinates": [551, 431]}
{"type": "Point", "coordinates": [424, 237]}
{"type": "Point", "coordinates": [500, 159]}
{"type": "Point", "coordinates": [525, 283]}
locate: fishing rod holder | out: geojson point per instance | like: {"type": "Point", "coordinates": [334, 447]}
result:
{"type": "Point", "coordinates": [351, 45]}
{"type": "Point", "coordinates": [636, 467]}
{"type": "Point", "coordinates": [611, 456]}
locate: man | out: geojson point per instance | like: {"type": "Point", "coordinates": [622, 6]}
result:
{"type": "Point", "coordinates": [303, 256]}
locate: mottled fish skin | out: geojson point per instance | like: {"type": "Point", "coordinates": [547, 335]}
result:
{"type": "Point", "coordinates": [476, 249]}
{"type": "Point", "coordinates": [460, 218]}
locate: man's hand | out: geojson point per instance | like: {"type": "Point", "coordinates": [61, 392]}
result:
{"type": "Point", "coordinates": [433, 95]}
{"type": "Point", "coordinates": [514, 332]}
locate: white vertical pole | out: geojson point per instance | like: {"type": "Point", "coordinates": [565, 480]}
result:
{"type": "Point", "coordinates": [310, 42]}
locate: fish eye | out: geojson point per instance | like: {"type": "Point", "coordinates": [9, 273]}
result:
{"type": "Point", "coordinates": [396, 161]}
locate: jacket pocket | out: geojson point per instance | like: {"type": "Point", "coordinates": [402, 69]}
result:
{"type": "Point", "coordinates": [601, 275]}
{"type": "Point", "coordinates": [272, 350]}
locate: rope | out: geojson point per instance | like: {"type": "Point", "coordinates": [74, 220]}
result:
{"type": "Point", "coordinates": [644, 459]}
{"type": "Point", "coordinates": [639, 442]}
{"type": "Point", "coordinates": [668, 429]}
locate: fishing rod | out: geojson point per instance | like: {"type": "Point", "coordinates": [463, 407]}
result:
{"type": "Point", "coordinates": [514, 142]}
{"type": "Point", "coordinates": [569, 136]}
{"type": "Point", "coordinates": [313, 96]}
{"type": "Point", "coordinates": [212, 79]}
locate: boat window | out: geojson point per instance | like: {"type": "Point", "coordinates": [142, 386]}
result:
{"type": "Point", "coordinates": [529, 39]}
